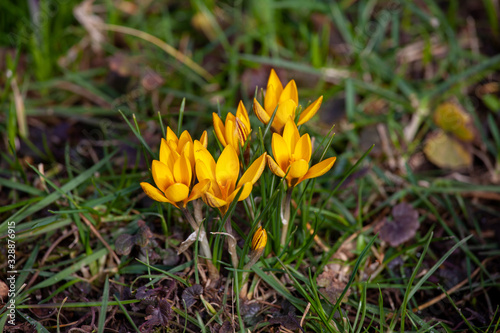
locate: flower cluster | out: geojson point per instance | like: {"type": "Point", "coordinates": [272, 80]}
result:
{"type": "Point", "coordinates": [187, 170]}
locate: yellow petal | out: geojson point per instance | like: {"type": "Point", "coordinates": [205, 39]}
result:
{"type": "Point", "coordinates": [162, 175]}
{"type": "Point", "coordinates": [303, 149]}
{"type": "Point", "coordinates": [219, 129]}
{"type": "Point", "coordinates": [177, 192]}
{"type": "Point", "coordinates": [280, 151]}
{"type": "Point", "coordinates": [286, 112]}
{"type": "Point", "coordinates": [241, 131]}
{"type": "Point", "coordinates": [167, 156]}
{"type": "Point", "coordinates": [153, 192]}
{"type": "Point", "coordinates": [171, 136]}
{"type": "Point", "coordinates": [242, 114]}
{"type": "Point", "coordinates": [232, 132]}
{"type": "Point", "coordinates": [213, 201]}
{"type": "Point", "coordinates": [184, 138]}
{"type": "Point", "coordinates": [298, 169]}
{"type": "Point", "coordinates": [290, 92]}
{"type": "Point", "coordinates": [188, 151]}
{"type": "Point", "coordinates": [273, 91]}
{"type": "Point", "coordinates": [310, 111]}
{"type": "Point", "coordinates": [164, 151]}
{"type": "Point", "coordinates": [275, 80]}
{"type": "Point", "coordinates": [275, 168]}
{"type": "Point", "coordinates": [204, 139]}
{"type": "Point", "coordinates": [182, 170]}
{"type": "Point", "coordinates": [253, 173]}
{"type": "Point", "coordinates": [201, 153]}
{"type": "Point", "coordinates": [319, 169]}
{"type": "Point", "coordinates": [291, 135]}
{"type": "Point", "coordinates": [227, 169]}
{"type": "Point", "coordinates": [199, 189]}
{"type": "Point", "coordinates": [261, 113]}
{"type": "Point", "coordinates": [247, 189]}
{"type": "Point", "coordinates": [203, 172]}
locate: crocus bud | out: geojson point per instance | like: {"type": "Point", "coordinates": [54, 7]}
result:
{"type": "Point", "coordinates": [259, 240]}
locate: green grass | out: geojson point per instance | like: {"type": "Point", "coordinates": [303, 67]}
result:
{"type": "Point", "coordinates": [93, 126]}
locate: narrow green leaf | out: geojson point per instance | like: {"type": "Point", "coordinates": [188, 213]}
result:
{"type": "Point", "coordinates": [72, 184]}
{"type": "Point", "coordinates": [104, 307]}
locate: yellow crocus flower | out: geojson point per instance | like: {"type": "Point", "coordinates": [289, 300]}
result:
{"type": "Point", "coordinates": [177, 145]}
{"type": "Point", "coordinates": [292, 154]}
{"type": "Point", "coordinates": [173, 176]}
{"type": "Point", "coordinates": [287, 100]}
{"type": "Point", "coordinates": [236, 130]}
{"type": "Point", "coordinates": [223, 175]}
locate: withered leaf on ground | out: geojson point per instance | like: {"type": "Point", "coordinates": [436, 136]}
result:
{"type": "Point", "coordinates": [453, 119]}
{"type": "Point", "coordinates": [190, 294]}
{"type": "Point", "coordinates": [331, 286]}
{"type": "Point", "coordinates": [403, 226]}
{"type": "Point", "coordinates": [446, 152]}
{"type": "Point", "coordinates": [124, 244]}
{"type": "Point", "coordinates": [144, 234]}
{"type": "Point", "coordinates": [4, 291]}
{"type": "Point", "coordinates": [157, 315]}
{"type": "Point", "coordinates": [226, 327]}
{"type": "Point", "coordinates": [249, 312]}
{"type": "Point", "coordinates": [288, 321]}
{"type": "Point", "coordinates": [287, 317]}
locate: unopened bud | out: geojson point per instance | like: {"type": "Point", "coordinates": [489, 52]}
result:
{"type": "Point", "coordinates": [259, 240]}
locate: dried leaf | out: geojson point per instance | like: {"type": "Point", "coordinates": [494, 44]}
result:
{"type": "Point", "coordinates": [226, 327]}
{"type": "Point", "coordinates": [190, 294]}
{"type": "Point", "coordinates": [144, 235]}
{"type": "Point", "coordinates": [403, 227]}
{"type": "Point", "coordinates": [92, 23]}
{"type": "Point", "coordinates": [446, 152]}
{"type": "Point", "coordinates": [453, 119]}
{"type": "Point", "coordinates": [249, 312]}
{"type": "Point", "coordinates": [151, 80]}
{"type": "Point", "coordinates": [190, 240]}
{"type": "Point", "coordinates": [160, 292]}
{"type": "Point", "coordinates": [4, 291]}
{"type": "Point", "coordinates": [332, 287]}
{"type": "Point", "coordinates": [124, 244]}
{"type": "Point", "coordinates": [286, 317]}
{"type": "Point", "coordinates": [158, 315]}
{"type": "Point", "coordinates": [288, 321]}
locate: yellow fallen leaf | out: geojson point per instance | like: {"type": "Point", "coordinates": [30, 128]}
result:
{"type": "Point", "coordinates": [451, 118]}
{"type": "Point", "coordinates": [446, 152]}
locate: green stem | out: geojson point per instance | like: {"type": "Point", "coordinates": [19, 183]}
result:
{"type": "Point", "coordinates": [203, 241]}
{"type": "Point", "coordinates": [254, 257]}
{"type": "Point", "coordinates": [285, 214]}
{"type": "Point", "coordinates": [231, 243]}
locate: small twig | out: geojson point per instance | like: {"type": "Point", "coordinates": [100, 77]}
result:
{"type": "Point", "coordinates": [161, 44]}
{"type": "Point", "coordinates": [454, 289]}
{"type": "Point", "coordinates": [304, 315]}
{"type": "Point", "coordinates": [317, 239]}
{"type": "Point", "coordinates": [98, 235]}
{"type": "Point", "coordinates": [49, 251]}
{"type": "Point", "coordinates": [386, 146]}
